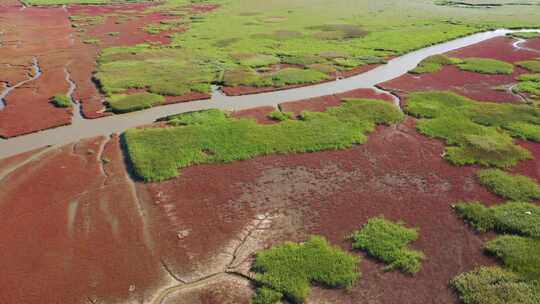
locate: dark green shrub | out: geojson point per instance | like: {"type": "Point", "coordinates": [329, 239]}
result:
{"type": "Point", "coordinates": [387, 241]}
{"type": "Point", "coordinates": [290, 269]}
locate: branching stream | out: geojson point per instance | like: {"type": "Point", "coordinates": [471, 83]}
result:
{"type": "Point", "coordinates": [36, 73]}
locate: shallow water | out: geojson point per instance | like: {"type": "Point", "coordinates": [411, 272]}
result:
{"type": "Point", "coordinates": [119, 123]}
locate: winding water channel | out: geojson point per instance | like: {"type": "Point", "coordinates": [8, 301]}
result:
{"type": "Point", "coordinates": [119, 123]}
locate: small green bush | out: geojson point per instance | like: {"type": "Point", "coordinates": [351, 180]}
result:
{"type": "Point", "coordinates": [133, 102]}
{"type": "Point", "coordinates": [387, 241]}
{"type": "Point", "coordinates": [62, 101]}
{"type": "Point", "coordinates": [512, 187]}
{"type": "Point", "coordinates": [281, 116]}
{"type": "Point", "coordinates": [513, 217]}
{"type": "Point", "coordinates": [290, 268]}
{"type": "Point", "coordinates": [493, 285]}
{"type": "Point", "coordinates": [531, 65]}
{"type": "Point", "coordinates": [517, 253]}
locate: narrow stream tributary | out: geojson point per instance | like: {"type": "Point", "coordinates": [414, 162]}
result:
{"type": "Point", "coordinates": [35, 74]}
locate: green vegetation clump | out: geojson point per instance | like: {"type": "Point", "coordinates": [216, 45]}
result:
{"type": "Point", "coordinates": [486, 66]}
{"type": "Point", "coordinates": [280, 115]}
{"type": "Point", "coordinates": [288, 76]}
{"type": "Point", "coordinates": [524, 35]}
{"type": "Point", "coordinates": [62, 2]}
{"type": "Point", "coordinates": [256, 60]}
{"type": "Point", "coordinates": [531, 65]}
{"type": "Point", "coordinates": [530, 84]}
{"type": "Point", "coordinates": [164, 26]}
{"type": "Point", "coordinates": [159, 70]}
{"type": "Point", "coordinates": [517, 253]}
{"type": "Point", "coordinates": [292, 76]}
{"type": "Point", "coordinates": [493, 285]}
{"type": "Point", "coordinates": [434, 64]}
{"type": "Point", "coordinates": [290, 268]}
{"type": "Point", "coordinates": [62, 101]}
{"type": "Point", "coordinates": [86, 20]}
{"type": "Point", "coordinates": [197, 118]}
{"type": "Point", "coordinates": [387, 241]}
{"type": "Point", "coordinates": [92, 41]}
{"type": "Point", "coordinates": [512, 217]}
{"type": "Point", "coordinates": [265, 295]}
{"type": "Point", "coordinates": [158, 153]}
{"type": "Point", "coordinates": [476, 132]}
{"type": "Point", "coordinates": [512, 187]}
{"type": "Point", "coordinates": [276, 32]}
{"type": "Point", "coordinates": [133, 102]}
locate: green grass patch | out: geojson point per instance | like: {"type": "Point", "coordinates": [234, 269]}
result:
{"type": "Point", "coordinates": [67, 2]}
{"type": "Point", "coordinates": [61, 101]}
{"type": "Point", "coordinates": [92, 41]}
{"type": "Point", "coordinates": [290, 269]}
{"type": "Point", "coordinates": [158, 153]}
{"type": "Point", "coordinates": [517, 253]}
{"type": "Point", "coordinates": [388, 242]}
{"type": "Point", "coordinates": [165, 25]}
{"type": "Point", "coordinates": [256, 60]}
{"type": "Point", "coordinates": [486, 66]}
{"type": "Point", "coordinates": [434, 64]}
{"type": "Point", "coordinates": [493, 285]}
{"type": "Point", "coordinates": [529, 84]}
{"type": "Point", "coordinates": [512, 217]}
{"type": "Point", "coordinates": [299, 33]}
{"type": "Point", "coordinates": [530, 65]}
{"type": "Point", "coordinates": [292, 76]}
{"type": "Point", "coordinates": [476, 132]}
{"type": "Point", "coordinates": [512, 187]}
{"type": "Point", "coordinates": [133, 102]}
{"type": "Point", "coordinates": [281, 116]}
{"type": "Point", "coordinates": [524, 35]}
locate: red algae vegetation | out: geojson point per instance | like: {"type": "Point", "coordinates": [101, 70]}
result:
{"type": "Point", "coordinates": [72, 212]}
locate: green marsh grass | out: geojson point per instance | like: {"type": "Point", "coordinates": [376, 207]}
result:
{"type": "Point", "coordinates": [290, 269]}
{"type": "Point", "coordinates": [158, 153]}
{"type": "Point", "coordinates": [388, 242]}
